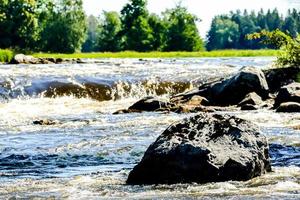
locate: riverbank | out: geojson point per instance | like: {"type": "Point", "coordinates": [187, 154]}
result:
{"type": "Point", "coordinates": [133, 54]}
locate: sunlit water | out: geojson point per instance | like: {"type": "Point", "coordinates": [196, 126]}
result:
{"type": "Point", "coordinates": [90, 152]}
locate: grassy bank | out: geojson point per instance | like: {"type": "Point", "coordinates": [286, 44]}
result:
{"type": "Point", "coordinates": [6, 55]}
{"type": "Point", "coordinates": [132, 54]}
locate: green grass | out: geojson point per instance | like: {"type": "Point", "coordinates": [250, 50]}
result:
{"type": "Point", "coordinates": [6, 55]}
{"type": "Point", "coordinates": [133, 54]}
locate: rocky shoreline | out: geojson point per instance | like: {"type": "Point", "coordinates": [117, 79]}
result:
{"type": "Point", "coordinates": [27, 59]}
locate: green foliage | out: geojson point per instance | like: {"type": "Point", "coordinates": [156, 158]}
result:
{"type": "Point", "coordinates": [224, 35]}
{"type": "Point", "coordinates": [65, 30]}
{"type": "Point", "coordinates": [18, 23]}
{"type": "Point", "coordinates": [182, 33]}
{"type": "Point", "coordinates": [108, 30]}
{"type": "Point", "coordinates": [6, 55]}
{"type": "Point", "coordinates": [159, 32]}
{"type": "Point", "coordinates": [155, 54]}
{"type": "Point", "coordinates": [290, 54]}
{"type": "Point", "coordinates": [136, 31]}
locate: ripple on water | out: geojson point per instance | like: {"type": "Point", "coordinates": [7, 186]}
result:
{"type": "Point", "coordinates": [90, 152]}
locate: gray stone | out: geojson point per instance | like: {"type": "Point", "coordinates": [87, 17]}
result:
{"type": "Point", "coordinates": [288, 93]}
{"type": "Point", "coordinates": [149, 104]}
{"type": "Point", "coordinates": [251, 99]}
{"type": "Point", "coordinates": [204, 148]}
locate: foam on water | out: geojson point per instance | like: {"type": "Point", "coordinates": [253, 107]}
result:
{"type": "Point", "coordinates": [89, 152]}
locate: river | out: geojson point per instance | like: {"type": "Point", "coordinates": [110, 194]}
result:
{"type": "Point", "coordinates": [89, 152]}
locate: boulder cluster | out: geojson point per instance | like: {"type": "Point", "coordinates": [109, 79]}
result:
{"type": "Point", "coordinates": [210, 147]}
{"type": "Point", "coordinates": [249, 89]}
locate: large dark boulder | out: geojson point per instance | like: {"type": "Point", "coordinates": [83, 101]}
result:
{"type": "Point", "coordinates": [232, 90]}
{"type": "Point", "coordinates": [288, 93]}
{"type": "Point", "coordinates": [204, 148]}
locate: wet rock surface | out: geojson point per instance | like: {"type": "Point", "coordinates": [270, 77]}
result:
{"type": "Point", "coordinates": [149, 104]}
{"type": "Point", "coordinates": [204, 148]}
{"type": "Point", "coordinates": [278, 77]}
{"type": "Point", "coordinates": [289, 107]}
{"type": "Point", "coordinates": [247, 90]}
{"type": "Point", "coordinates": [46, 122]}
{"type": "Point", "coordinates": [232, 90]}
{"type": "Point", "coordinates": [288, 93]}
{"type": "Point", "coordinates": [251, 99]}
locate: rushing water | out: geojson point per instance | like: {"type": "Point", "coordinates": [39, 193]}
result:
{"type": "Point", "coordinates": [89, 152]}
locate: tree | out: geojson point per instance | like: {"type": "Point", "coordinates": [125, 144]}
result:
{"type": "Point", "coordinates": [273, 20]}
{"type": "Point", "coordinates": [159, 30]}
{"type": "Point", "coordinates": [92, 26]}
{"type": "Point", "coordinates": [223, 34]}
{"type": "Point", "coordinates": [182, 33]}
{"type": "Point", "coordinates": [65, 30]}
{"type": "Point", "coordinates": [290, 47]}
{"type": "Point", "coordinates": [136, 31]}
{"type": "Point", "coordinates": [18, 23]}
{"type": "Point", "coordinates": [291, 24]}
{"type": "Point", "coordinates": [107, 37]}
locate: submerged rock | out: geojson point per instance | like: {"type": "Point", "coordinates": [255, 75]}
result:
{"type": "Point", "coordinates": [288, 93]}
{"type": "Point", "coordinates": [249, 107]}
{"type": "Point", "coordinates": [45, 122]}
{"type": "Point", "coordinates": [204, 148]}
{"type": "Point", "coordinates": [149, 104]}
{"type": "Point", "coordinates": [289, 107]}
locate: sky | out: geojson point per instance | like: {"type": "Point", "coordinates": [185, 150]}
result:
{"type": "Point", "coordinates": [204, 9]}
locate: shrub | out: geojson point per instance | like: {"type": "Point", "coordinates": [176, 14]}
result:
{"type": "Point", "coordinates": [290, 47]}
{"type": "Point", "coordinates": [6, 55]}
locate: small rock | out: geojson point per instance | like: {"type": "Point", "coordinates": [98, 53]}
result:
{"type": "Point", "coordinates": [24, 59]}
{"type": "Point", "coordinates": [45, 122]}
{"type": "Point", "coordinates": [149, 104]}
{"type": "Point", "coordinates": [194, 100]}
{"type": "Point", "coordinates": [288, 93]}
{"type": "Point", "coordinates": [289, 107]}
{"type": "Point", "coordinates": [248, 107]}
{"type": "Point", "coordinates": [251, 99]}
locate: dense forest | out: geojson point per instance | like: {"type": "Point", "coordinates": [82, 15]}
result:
{"type": "Point", "coordinates": [230, 31]}
{"type": "Point", "coordinates": [62, 26]}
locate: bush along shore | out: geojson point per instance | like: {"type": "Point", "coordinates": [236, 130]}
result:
{"type": "Point", "coordinates": [210, 147]}
{"type": "Point", "coordinates": [6, 55]}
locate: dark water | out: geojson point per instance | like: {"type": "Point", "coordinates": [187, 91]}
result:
{"type": "Point", "coordinates": [90, 152]}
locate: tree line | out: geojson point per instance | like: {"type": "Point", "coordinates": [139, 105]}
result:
{"type": "Point", "coordinates": [62, 26]}
{"type": "Point", "coordinates": [42, 25]}
{"type": "Point", "coordinates": [230, 31]}
{"type": "Point", "coordinates": [137, 29]}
